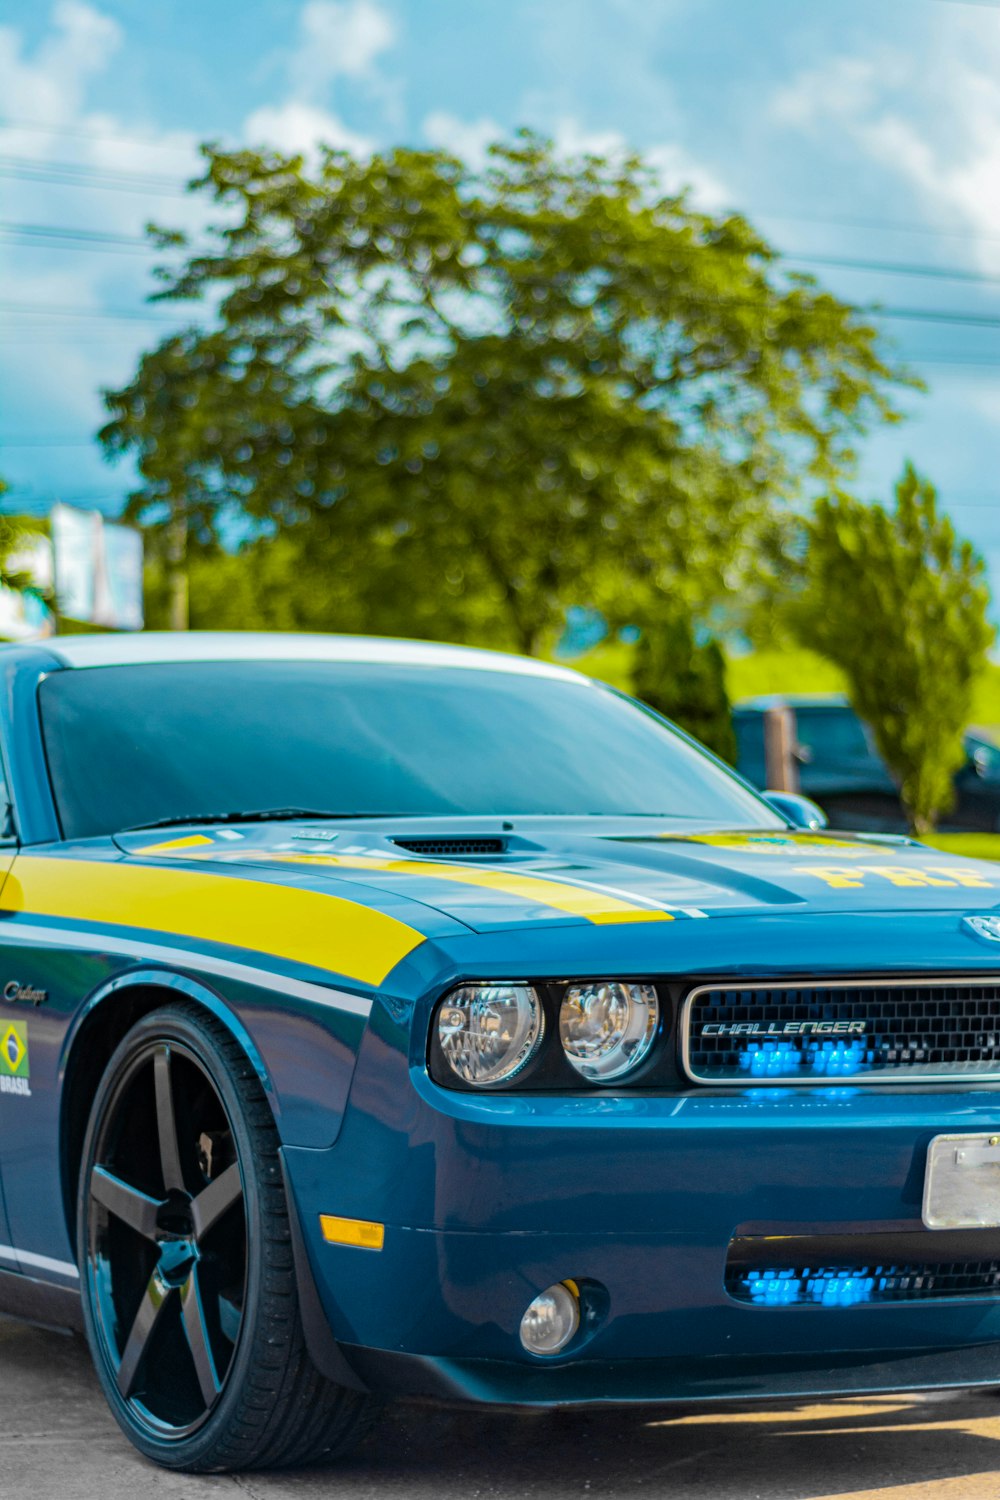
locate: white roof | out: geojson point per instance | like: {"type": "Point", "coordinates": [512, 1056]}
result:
{"type": "Point", "coordinates": [147, 647]}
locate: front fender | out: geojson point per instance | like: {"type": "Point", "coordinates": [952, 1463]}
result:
{"type": "Point", "coordinates": [303, 1049]}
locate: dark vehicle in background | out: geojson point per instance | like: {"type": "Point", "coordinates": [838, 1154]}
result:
{"type": "Point", "coordinates": [839, 767]}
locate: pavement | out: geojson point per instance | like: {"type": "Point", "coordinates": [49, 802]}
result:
{"type": "Point", "coordinates": [58, 1442]}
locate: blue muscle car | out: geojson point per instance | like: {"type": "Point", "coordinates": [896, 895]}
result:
{"type": "Point", "coordinates": [389, 1019]}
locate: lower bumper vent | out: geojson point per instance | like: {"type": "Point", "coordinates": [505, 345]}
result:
{"type": "Point", "coordinates": [780, 1272]}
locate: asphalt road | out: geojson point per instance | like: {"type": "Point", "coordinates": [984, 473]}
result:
{"type": "Point", "coordinates": [57, 1440]}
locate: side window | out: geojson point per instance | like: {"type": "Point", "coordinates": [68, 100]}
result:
{"type": "Point", "coordinates": [832, 737]}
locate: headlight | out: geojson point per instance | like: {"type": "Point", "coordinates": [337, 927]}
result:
{"type": "Point", "coordinates": [488, 1032]}
{"type": "Point", "coordinates": [607, 1029]}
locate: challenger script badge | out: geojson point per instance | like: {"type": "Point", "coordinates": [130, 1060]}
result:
{"type": "Point", "coordinates": [784, 1028]}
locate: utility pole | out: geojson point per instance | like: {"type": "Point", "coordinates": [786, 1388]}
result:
{"type": "Point", "coordinates": [780, 737]}
{"type": "Point", "coordinates": [178, 593]}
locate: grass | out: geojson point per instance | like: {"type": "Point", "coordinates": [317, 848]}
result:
{"type": "Point", "coordinates": [792, 671]}
{"type": "Point", "coordinates": [966, 845]}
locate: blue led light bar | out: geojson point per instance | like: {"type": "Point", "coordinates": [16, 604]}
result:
{"type": "Point", "coordinates": [829, 1287]}
{"type": "Point", "coordinates": [786, 1059]}
{"type": "Point", "coordinates": [850, 1286]}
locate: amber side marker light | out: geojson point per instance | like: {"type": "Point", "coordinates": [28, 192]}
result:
{"type": "Point", "coordinates": [361, 1233]}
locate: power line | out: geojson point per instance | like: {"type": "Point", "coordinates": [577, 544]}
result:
{"type": "Point", "coordinates": [81, 132]}
{"type": "Point", "coordinates": [882, 225]}
{"type": "Point", "coordinates": [84, 175]}
{"type": "Point", "coordinates": [63, 237]}
{"type": "Point", "coordinates": [58, 233]}
{"type": "Point", "coordinates": [55, 312]}
{"type": "Point", "coordinates": [933, 315]}
{"type": "Point", "coordinates": [893, 268]}
{"type": "Point", "coordinates": [72, 174]}
{"type": "Point", "coordinates": [83, 238]}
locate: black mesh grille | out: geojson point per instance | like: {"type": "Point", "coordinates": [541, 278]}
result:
{"type": "Point", "coordinates": [452, 848]}
{"type": "Point", "coordinates": [825, 1034]}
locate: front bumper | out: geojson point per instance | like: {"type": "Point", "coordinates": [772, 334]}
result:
{"type": "Point", "coordinates": [488, 1200]}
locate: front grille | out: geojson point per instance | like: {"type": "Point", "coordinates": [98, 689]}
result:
{"type": "Point", "coordinates": [452, 848]}
{"type": "Point", "coordinates": [849, 1270]}
{"type": "Point", "coordinates": [865, 1031]}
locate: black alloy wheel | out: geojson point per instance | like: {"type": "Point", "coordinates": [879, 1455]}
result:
{"type": "Point", "coordinates": [188, 1285]}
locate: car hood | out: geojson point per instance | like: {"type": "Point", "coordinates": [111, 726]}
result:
{"type": "Point", "coordinates": [584, 872]}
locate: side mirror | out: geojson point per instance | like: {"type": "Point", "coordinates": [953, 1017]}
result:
{"type": "Point", "coordinates": [799, 811]}
{"type": "Point", "coordinates": [980, 762]}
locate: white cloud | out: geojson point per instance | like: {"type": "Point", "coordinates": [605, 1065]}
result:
{"type": "Point", "coordinates": [298, 126]}
{"type": "Point", "coordinates": [934, 123]}
{"type": "Point", "coordinates": [56, 356]}
{"type": "Point", "coordinates": [51, 86]}
{"type": "Point", "coordinates": [678, 170]}
{"type": "Point", "coordinates": [846, 86]}
{"type": "Point", "coordinates": [468, 139]}
{"type": "Point", "coordinates": [336, 39]}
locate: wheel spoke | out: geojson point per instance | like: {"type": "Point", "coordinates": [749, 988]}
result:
{"type": "Point", "coordinates": [230, 1318]}
{"type": "Point", "coordinates": [213, 1201]}
{"type": "Point", "coordinates": [166, 1124]}
{"type": "Point", "coordinates": [135, 1209]}
{"type": "Point", "coordinates": [196, 1329]}
{"type": "Point", "coordinates": [153, 1302]}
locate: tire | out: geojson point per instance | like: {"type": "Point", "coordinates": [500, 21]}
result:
{"type": "Point", "coordinates": [186, 1270]}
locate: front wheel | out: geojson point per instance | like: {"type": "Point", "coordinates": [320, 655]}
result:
{"type": "Point", "coordinates": [189, 1294]}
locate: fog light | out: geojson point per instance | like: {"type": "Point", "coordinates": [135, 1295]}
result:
{"type": "Point", "coordinates": [550, 1321]}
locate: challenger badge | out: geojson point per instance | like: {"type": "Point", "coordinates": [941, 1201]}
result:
{"type": "Point", "coordinates": [784, 1028]}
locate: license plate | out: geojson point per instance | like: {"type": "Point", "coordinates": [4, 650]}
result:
{"type": "Point", "coordinates": [962, 1182]}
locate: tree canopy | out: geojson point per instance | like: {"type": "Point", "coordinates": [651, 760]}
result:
{"type": "Point", "coordinates": [685, 680]}
{"type": "Point", "coordinates": [468, 398]}
{"type": "Point", "coordinates": [899, 603]}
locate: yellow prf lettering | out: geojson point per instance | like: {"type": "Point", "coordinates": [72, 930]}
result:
{"type": "Point", "coordinates": [900, 875]}
{"type": "Point", "coordinates": [963, 877]}
{"type": "Point", "coordinates": [837, 879]}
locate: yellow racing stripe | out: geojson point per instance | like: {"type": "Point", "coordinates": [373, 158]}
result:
{"type": "Point", "coordinates": [590, 902]}
{"type": "Point", "coordinates": [193, 841]}
{"type": "Point", "coordinates": [310, 927]}
{"type": "Point", "coordinates": [578, 901]}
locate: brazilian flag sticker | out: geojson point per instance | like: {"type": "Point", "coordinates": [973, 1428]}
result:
{"type": "Point", "coordinates": [14, 1050]}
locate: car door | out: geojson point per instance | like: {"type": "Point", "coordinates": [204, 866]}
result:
{"type": "Point", "coordinates": [13, 1063]}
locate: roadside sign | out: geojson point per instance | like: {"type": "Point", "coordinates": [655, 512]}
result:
{"type": "Point", "coordinates": [98, 569]}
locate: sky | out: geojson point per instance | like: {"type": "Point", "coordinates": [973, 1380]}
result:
{"type": "Point", "coordinates": [853, 131]}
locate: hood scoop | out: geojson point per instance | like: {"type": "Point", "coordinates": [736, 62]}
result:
{"type": "Point", "coordinates": [453, 848]}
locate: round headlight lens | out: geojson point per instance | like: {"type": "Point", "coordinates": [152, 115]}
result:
{"type": "Point", "coordinates": [550, 1321]}
{"type": "Point", "coordinates": [488, 1032]}
{"type": "Point", "coordinates": [607, 1029]}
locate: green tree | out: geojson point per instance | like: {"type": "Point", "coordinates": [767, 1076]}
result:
{"type": "Point", "coordinates": [471, 398]}
{"type": "Point", "coordinates": [685, 680]}
{"type": "Point", "coordinates": [899, 603]}
{"type": "Point", "coordinates": [15, 531]}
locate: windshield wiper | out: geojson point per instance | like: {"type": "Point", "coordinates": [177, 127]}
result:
{"type": "Point", "coordinates": [256, 815]}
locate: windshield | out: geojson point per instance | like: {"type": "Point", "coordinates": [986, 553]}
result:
{"type": "Point", "coordinates": [136, 744]}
